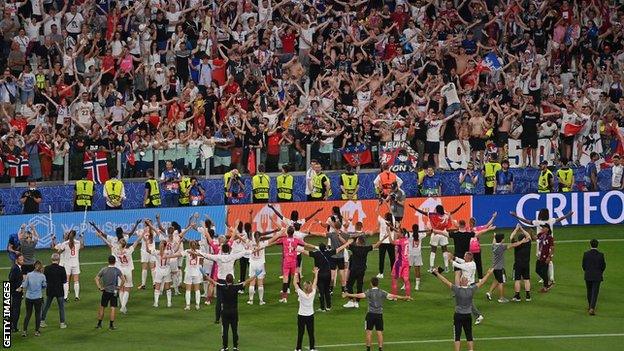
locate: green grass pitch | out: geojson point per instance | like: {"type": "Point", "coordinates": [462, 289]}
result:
{"type": "Point", "coordinates": [553, 321]}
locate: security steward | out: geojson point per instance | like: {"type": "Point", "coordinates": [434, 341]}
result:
{"type": "Point", "coordinates": [260, 186]}
{"type": "Point", "coordinates": [349, 184]}
{"type": "Point", "coordinates": [285, 182]}
{"type": "Point", "coordinates": [151, 198]}
{"type": "Point", "coordinates": [321, 187]}
{"type": "Point", "coordinates": [545, 180]}
{"type": "Point", "coordinates": [489, 173]}
{"type": "Point", "coordinates": [565, 175]}
{"type": "Point", "coordinates": [83, 194]}
{"type": "Point", "coordinates": [185, 189]}
{"type": "Point", "coordinates": [384, 181]}
{"type": "Point", "coordinates": [114, 192]}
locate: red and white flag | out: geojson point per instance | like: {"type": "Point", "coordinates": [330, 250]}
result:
{"type": "Point", "coordinates": [18, 166]}
{"type": "Point", "coordinates": [96, 166]}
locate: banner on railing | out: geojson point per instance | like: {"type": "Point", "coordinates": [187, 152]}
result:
{"type": "Point", "coordinates": [366, 211]}
{"type": "Point", "coordinates": [589, 207]}
{"type": "Point", "coordinates": [108, 221]}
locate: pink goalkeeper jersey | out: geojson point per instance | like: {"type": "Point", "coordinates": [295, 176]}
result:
{"type": "Point", "coordinates": [401, 249]}
{"type": "Point", "coordinates": [289, 249]}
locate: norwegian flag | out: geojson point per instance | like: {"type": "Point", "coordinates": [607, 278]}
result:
{"type": "Point", "coordinates": [96, 166]}
{"type": "Point", "coordinates": [18, 166]}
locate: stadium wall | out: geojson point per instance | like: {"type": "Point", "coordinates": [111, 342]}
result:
{"type": "Point", "coordinates": [60, 197]}
{"type": "Point", "coordinates": [589, 208]}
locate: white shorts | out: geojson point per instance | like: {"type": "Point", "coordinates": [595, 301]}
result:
{"type": "Point", "coordinates": [256, 270]}
{"type": "Point", "coordinates": [193, 278]}
{"type": "Point", "coordinates": [72, 269]}
{"type": "Point", "coordinates": [163, 275]}
{"type": "Point", "coordinates": [147, 258]}
{"type": "Point", "coordinates": [128, 275]}
{"type": "Point", "coordinates": [415, 260]}
{"type": "Point", "coordinates": [439, 240]}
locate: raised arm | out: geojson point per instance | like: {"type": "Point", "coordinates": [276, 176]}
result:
{"type": "Point", "coordinates": [564, 217]}
{"type": "Point", "coordinates": [442, 278]}
{"type": "Point", "coordinates": [523, 220]}
{"type": "Point", "coordinates": [485, 278]}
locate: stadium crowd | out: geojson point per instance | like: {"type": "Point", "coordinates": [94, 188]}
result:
{"type": "Point", "coordinates": [194, 80]}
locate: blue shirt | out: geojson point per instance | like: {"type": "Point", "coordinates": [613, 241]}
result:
{"type": "Point", "coordinates": [33, 285]}
{"type": "Point", "coordinates": [589, 170]}
{"type": "Point", "coordinates": [170, 187]}
{"type": "Point", "coordinates": [13, 240]}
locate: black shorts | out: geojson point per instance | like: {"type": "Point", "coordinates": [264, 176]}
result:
{"type": "Point", "coordinates": [528, 141]}
{"type": "Point", "coordinates": [337, 263]}
{"type": "Point", "coordinates": [432, 147]}
{"type": "Point", "coordinates": [567, 140]}
{"type": "Point", "coordinates": [499, 275]}
{"type": "Point", "coordinates": [108, 299]}
{"type": "Point", "coordinates": [455, 269]}
{"type": "Point", "coordinates": [374, 321]}
{"type": "Point", "coordinates": [521, 272]}
{"type": "Point", "coordinates": [503, 139]}
{"type": "Point", "coordinates": [476, 144]}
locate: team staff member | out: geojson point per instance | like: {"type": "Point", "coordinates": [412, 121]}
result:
{"type": "Point", "coordinates": [545, 183]}
{"type": "Point", "coordinates": [229, 307]}
{"type": "Point", "coordinates": [565, 175]}
{"type": "Point", "coordinates": [151, 197]}
{"type": "Point", "coordinates": [114, 192]}
{"type": "Point", "coordinates": [522, 262]}
{"type": "Point", "coordinates": [260, 184]}
{"type": "Point", "coordinates": [106, 281]}
{"type": "Point", "coordinates": [489, 173]}
{"type": "Point", "coordinates": [374, 317]}
{"type": "Point", "coordinates": [285, 182]}
{"type": "Point", "coordinates": [16, 277]}
{"type": "Point", "coordinates": [56, 277]}
{"type": "Point", "coordinates": [349, 184]}
{"type": "Point", "coordinates": [321, 187]}
{"type": "Point", "coordinates": [185, 189]}
{"type": "Point", "coordinates": [594, 265]}
{"type": "Point", "coordinates": [83, 194]}
{"type": "Point", "coordinates": [464, 294]}
{"type": "Point", "coordinates": [305, 315]}
{"type": "Point", "coordinates": [396, 202]}
{"type": "Point", "coordinates": [617, 173]}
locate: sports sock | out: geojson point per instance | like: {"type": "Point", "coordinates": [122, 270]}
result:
{"type": "Point", "coordinates": [156, 296]}
{"type": "Point", "coordinates": [417, 283]}
{"type": "Point", "coordinates": [252, 291]}
{"type": "Point", "coordinates": [446, 259]}
{"type": "Point", "coordinates": [551, 271]}
{"type": "Point", "coordinates": [206, 288]}
{"type": "Point", "coordinates": [197, 297]}
{"type": "Point", "coordinates": [168, 296]}
{"type": "Point", "coordinates": [111, 323]}
{"type": "Point", "coordinates": [143, 276]}
{"type": "Point", "coordinates": [187, 297]}
{"type": "Point", "coordinates": [153, 271]}
{"type": "Point", "coordinates": [65, 290]}
{"type": "Point", "coordinates": [284, 288]}
{"type": "Point", "coordinates": [432, 260]}
{"type": "Point", "coordinates": [261, 293]}
{"type": "Point", "coordinates": [77, 289]}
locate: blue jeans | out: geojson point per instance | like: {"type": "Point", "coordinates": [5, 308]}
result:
{"type": "Point", "coordinates": [25, 95]}
{"type": "Point", "coordinates": [170, 200]}
{"type": "Point", "coordinates": [61, 304]}
{"type": "Point", "coordinates": [452, 108]}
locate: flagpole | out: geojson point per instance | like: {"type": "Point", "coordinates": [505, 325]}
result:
{"type": "Point", "coordinates": [83, 226]}
{"type": "Point", "coordinates": [51, 228]}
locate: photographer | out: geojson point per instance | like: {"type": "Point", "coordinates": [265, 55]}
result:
{"type": "Point", "coordinates": [31, 199]}
{"type": "Point", "coordinates": [396, 202]}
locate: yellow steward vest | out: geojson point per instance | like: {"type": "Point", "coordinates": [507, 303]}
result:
{"type": "Point", "coordinates": [490, 173]}
{"type": "Point", "coordinates": [285, 186]}
{"type": "Point", "coordinates": [185, 187]}
{"type": "Point", "coordinates": [260, 186]}
{"type": "Point", "coordinates": [84, 192]}
{"type": "Point", "coordinates": [566, 179]}
{"type": "Point", "coordinates": [349, 183]}
{"type": "Point", "coordinates": [318, 188]}
{"type": "Point", "coordinates": [154, 192]}
{"type": "Point", "coordinates": [542, 182]}
{"type": "Point", "coordinates": [113, 189]}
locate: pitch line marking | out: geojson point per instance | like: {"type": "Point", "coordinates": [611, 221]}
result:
{"type": "Point", "coordinates": [518, 337]}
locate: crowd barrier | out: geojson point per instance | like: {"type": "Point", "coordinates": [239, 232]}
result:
{"type": "Point", "coordinates": [60, 197]}
{"type": "Point", "coordinates": [589, 208]}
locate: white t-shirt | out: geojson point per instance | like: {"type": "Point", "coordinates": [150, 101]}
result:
{"type": "Point", "coordinates": [309, 175]}
{"type": "Point", "coordinates": [124, 258]}
{"type": "Point", "coordinates": [383, 229]}
{"type": "Point", "coordinates": [468, 269]}
{"type": "Point", "coordinates": [84, 111]}
{"type": "Point", "coordinates": [415, 250]}
{"type": "Point", "coordinates": [450, 94]}
{"type": "Point", "coordinates": [307, 34]}
{"type": "Point", "coordinates": [258, 256]}
{"type": "Point", "coordinates": [47, 27]}
{"type": "Point", "coordinates": [192, 263]}
{"type": "Point", "coordinates": [74, 22]}
{"type": "Point", "coordinates": [616, 176]}
{"type": "Point", "coordinates": [433, 130]}
{"type": "Point", "coordinates": [306, 302]}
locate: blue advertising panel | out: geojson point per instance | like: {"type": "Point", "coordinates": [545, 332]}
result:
{"type": "Point", "coordinates": [589, 207]}
{"type": "Point", "coordinates": [59, 223]}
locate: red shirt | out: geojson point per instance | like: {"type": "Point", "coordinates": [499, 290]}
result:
{"type": "Point", "coordinates": [20, 124]}
{"type": "Point", "coordinates": [545, 243]}
{"type": "Point", "coordinates": [232, 88]}
{"type": "Point", "coordinates": [273, 147]}
{"type": "Point", "coordinates": [400, 18]}
{"type": "Point", "coordinates": [218, 73]}
{"type": "Point", "coordinates": [108, 61]}
{"type": "Point", "coordinates": [288, 43]}
{"type": "Point", "coordinates": [390, 51]}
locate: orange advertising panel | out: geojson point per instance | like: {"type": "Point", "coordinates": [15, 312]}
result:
{"type": "Point", "coordinates": [365, 211]}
